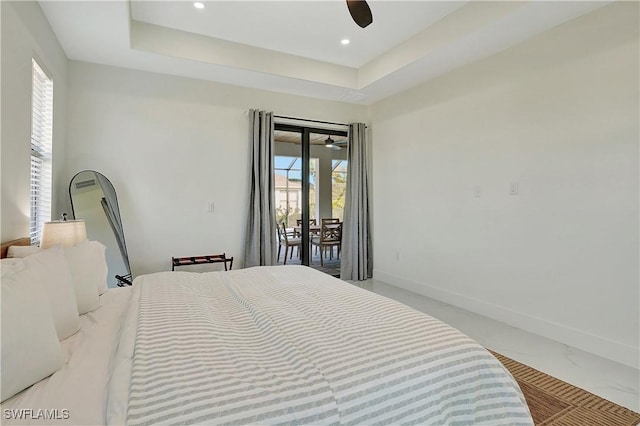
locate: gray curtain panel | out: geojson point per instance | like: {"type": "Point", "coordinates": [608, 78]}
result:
{"type": "Point", "coordinates": [356, 261]}
{"type": "Point", "coordinates": [260, 244]}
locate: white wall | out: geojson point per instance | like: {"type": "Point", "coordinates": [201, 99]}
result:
{"type": "Point", "coordinates": [557, 115]}
{"type": "Point", "coordinates": [170, 145]}
{"type": "Point", "coordinates": [25, 33]}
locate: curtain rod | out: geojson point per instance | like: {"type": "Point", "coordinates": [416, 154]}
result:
{"type": "Point", "coordinates": [311, 121]}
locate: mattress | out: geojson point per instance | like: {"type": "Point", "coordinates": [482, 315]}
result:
{"type": "Point", "coordinates": [272, 345]}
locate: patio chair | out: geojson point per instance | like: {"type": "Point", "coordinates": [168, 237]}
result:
{"type": "Point", "coordinates": [312, 222]}
{"type": "Point", "coordinates": [330, 237]}
{"type": "Point", "coordinates": [286, 239]}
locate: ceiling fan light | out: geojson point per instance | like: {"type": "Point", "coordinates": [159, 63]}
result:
{"type": "Point", "coordinates": [329, 142]}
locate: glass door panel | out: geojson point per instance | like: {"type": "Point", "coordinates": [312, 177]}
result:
{"type": "Point", "coordinates": [288, 194]}
{"type": "Point", "coordinates": [328, 176]}
{"type": "Point", "coordinates": [310, 168]}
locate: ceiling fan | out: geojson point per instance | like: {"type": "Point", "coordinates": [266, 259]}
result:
{"type": "Point", "coordinates": [360, 12]}
{"type": "Point", "coordinates": [335, 144]}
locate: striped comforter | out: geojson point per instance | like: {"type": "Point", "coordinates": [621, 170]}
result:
{"type": "Point", "coordinates": [274, 345]}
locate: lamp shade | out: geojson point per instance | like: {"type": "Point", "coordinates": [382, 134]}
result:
{"type": "Point", "coordinates": [68, 233]}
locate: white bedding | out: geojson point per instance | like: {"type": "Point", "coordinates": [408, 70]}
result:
{"type": "Point", "coordinates": [369, 358]}
{"type": "Point", "coordinates": [78, 390]}
{"type": "Point", "coordinates": [272, 345]}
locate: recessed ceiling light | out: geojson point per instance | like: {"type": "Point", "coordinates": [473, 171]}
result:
{"type": "Point", "coordinates": [198, 5]}
{"type": "Point", "coordinates": [345, 41]}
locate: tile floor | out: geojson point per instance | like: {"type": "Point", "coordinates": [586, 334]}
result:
{"type": "Point", "coordinates": [608, 379]}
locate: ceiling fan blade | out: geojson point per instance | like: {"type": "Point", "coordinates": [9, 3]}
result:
{"type": "Point", "coordinates": [360, 12]}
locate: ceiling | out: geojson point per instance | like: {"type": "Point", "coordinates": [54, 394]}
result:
{"type": "Point", "coordinates": [314, 138]}
{"type": "Point", "coordinates": [294, 46]}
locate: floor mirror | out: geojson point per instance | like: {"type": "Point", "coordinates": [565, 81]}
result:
{"type": "Point", "coordinates": [93, 198]}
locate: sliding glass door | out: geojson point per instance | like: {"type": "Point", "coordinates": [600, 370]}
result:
{"type": "Point", "coordinates": [310, 181]}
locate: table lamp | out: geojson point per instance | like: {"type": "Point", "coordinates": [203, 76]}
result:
{"type": "Point", "coordinates": [68, 233]}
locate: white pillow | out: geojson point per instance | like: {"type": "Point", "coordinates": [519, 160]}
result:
{"type": "Point", "coordinates": [97, 249]}
{"type": "Point", "coordinates": [30, 347]}
{"type": "Point", "coordinates": [51, 270]}
{"type": "Point", "coordinates": [9, 266]}
{"type": "Point", "coordinates": [88, 270]}
{"type": "Point", "coordinates": [22, 251]}
{"type": "Point", "coordinates": [100, 265]}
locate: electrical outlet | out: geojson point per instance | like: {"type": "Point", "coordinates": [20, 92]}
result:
{"type": "Point", "coordinates": [514, 188]}
{"type": "Point", "coordinates": [211, 207]}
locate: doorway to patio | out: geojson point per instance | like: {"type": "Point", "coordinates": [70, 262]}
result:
{"type": "Point", "coordinates": [310, 175]}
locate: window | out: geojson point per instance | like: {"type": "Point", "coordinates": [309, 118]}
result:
{"type": "Point", "coordinates": [293, 199]}
{"type": "Point", "coordinates": [41, 149]}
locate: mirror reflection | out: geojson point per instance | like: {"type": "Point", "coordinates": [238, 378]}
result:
{"type": "Point", "coordinates": [93, 198]}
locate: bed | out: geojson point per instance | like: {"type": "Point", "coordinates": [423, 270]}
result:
{"type": "Point", "coordinates": [267, 345]}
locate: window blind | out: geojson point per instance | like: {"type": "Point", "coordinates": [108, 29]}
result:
{"type": "Point", "coordinates": [41, 150]}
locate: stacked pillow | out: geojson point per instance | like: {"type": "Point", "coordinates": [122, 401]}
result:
{"type": "Point", "coordinates": [42, 295]}
{"type": "Point", "coordinates": [49, 269]}
{"type": "Point", "coordinates": [89, 272]}
{"type": "Point", "coordinates": [30, 347]}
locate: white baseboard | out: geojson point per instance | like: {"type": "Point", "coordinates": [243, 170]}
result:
{"type": "Point", "coordinates": [598, 345]}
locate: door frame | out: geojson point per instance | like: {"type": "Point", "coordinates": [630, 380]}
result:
{"type": "Point", "coordinates": [305, 132]}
